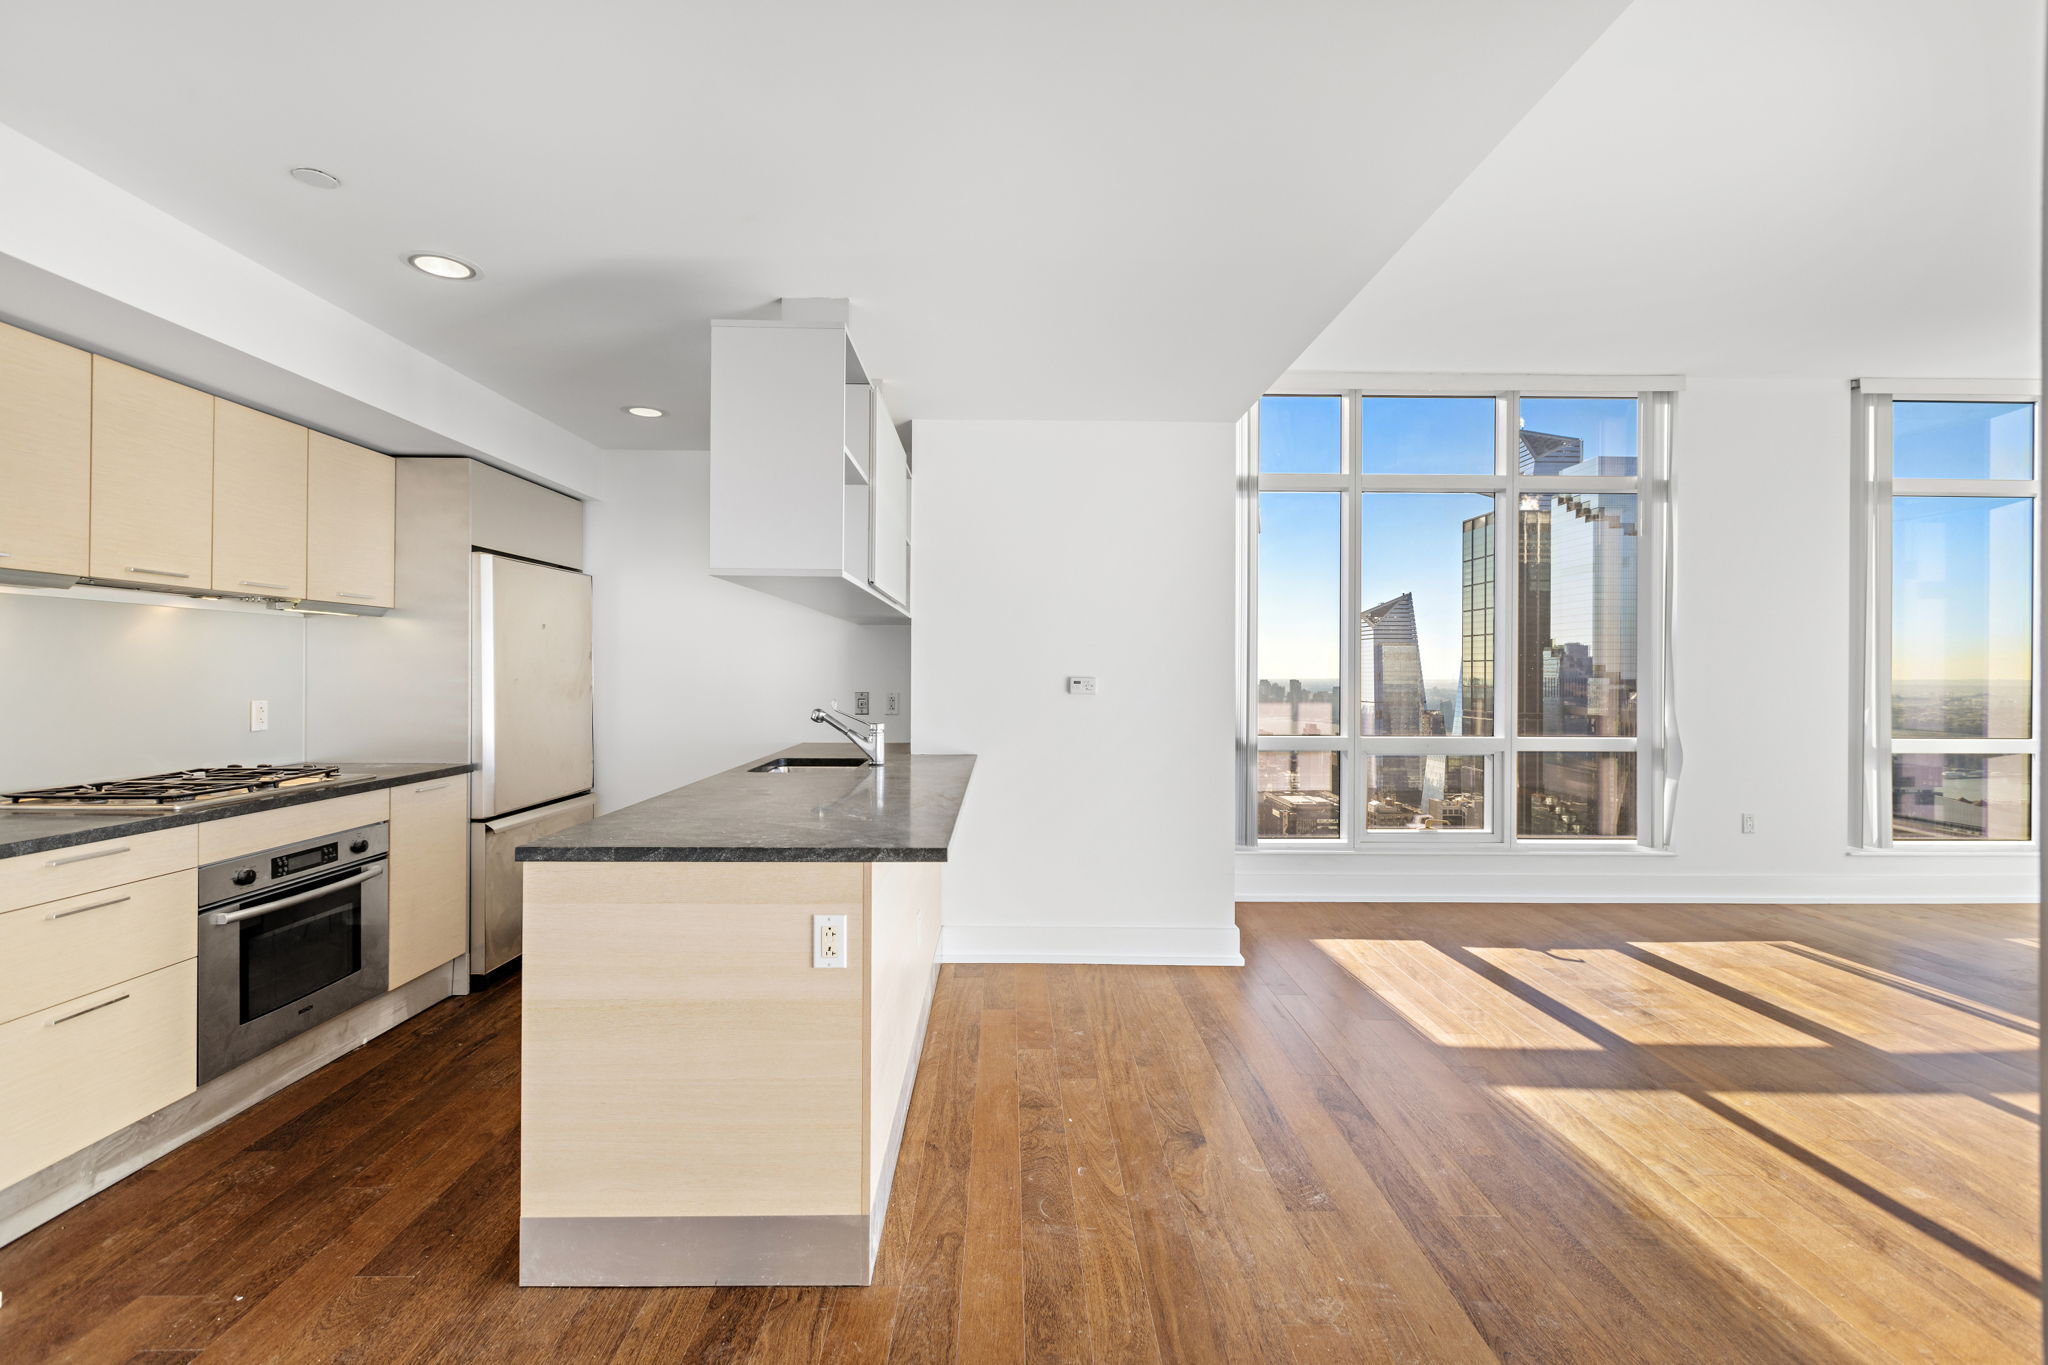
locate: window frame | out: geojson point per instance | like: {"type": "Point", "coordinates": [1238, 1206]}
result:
{"type": "Point", "coordinates": [1655, 740]}
{"type": "Point", "coordinates": [1872, 744]}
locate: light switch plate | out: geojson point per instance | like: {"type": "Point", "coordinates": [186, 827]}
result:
{"type": "Point", "coordinates": [1080, 687]}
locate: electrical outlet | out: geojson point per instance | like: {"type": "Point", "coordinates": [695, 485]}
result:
{"type": "Point", "coordinates": [860, 703]}
{"type": "Point", "coordinates": [1748, 823]}
{"type": "Point", "coordinates": [259, 715]}
{"type": "Point", "coordinates": [892, 703]}
{"type": "Point", "coordinates": [828, 940]}
{"type": "Point", "coordinates": [1080, 687]}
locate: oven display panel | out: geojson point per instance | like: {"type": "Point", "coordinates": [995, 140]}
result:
{"type": "Point", "coordinates": [292, 863]}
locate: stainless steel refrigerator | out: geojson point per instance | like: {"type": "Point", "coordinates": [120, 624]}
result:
{"type": "Point", "coordinates": [486, 657]}
{"type": "Point", "coordinates": [531, 733]}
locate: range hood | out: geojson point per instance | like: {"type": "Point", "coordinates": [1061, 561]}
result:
{"type": "Point", "coordinates": [29, 578]}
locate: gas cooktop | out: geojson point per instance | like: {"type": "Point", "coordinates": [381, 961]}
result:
{"type": "Point", "coordinates": [172, 791]}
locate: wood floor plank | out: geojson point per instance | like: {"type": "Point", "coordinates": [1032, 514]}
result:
{"type": "Point", "coordinates": [1596, 1134]}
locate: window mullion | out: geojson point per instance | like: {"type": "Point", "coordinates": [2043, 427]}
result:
{"type": "Point", "coordinates": [1507, 610]}
{"type": "Point", "coordinates": [1352, 779]}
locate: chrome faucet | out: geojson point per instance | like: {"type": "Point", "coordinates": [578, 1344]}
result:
{"type": "Point", "coordinates": [851, 726]}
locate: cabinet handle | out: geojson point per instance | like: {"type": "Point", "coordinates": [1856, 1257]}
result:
{"type": "Point", "coordinates": [422, 791]}
{"type": "Point", "coordinates": [5, 555]}
{"type": "Point", "coordinates": [252, 583]}
{"type": "Point", "coordinates": [361, 596]}
{"type": "Point", "coordinates": [86, 857]}
{"type": "Point", "coordinates": [67, 1018]}
{"type": "Point", "coordinates": [96, 905]}
{"type": "Point", "coordinates": [157, 573]}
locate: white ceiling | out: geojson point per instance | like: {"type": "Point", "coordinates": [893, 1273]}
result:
{"type": "Point", "coordinates": [1758, 187]}
{"type": "Point", "coordinates": [1077, 210]}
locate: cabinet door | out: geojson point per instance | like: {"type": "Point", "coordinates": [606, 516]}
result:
{"type": "Point", "coordinates": [889, 498]}
{"type": "Point", "coordinates": [152, 479]}
{"type": "Point", "coordinates": [350, 523]}
{"type": "Point", "coordinates": [429, 871]}
{"type": "Point", "coordinates": [45, 453]}
{"type": "Point", "coordinates": [259, 502]}
{"type": "Point", "coordinates": [95, 1064]}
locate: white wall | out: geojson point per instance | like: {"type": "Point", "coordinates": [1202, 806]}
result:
{"type": "Point", "coordinates": [91, 690]}
{"type": "Point", "coordinates": [695, 674]}
{"type": "Point", "coordinates": [1097, 828]}
{"type": "Point", "coordinates": [1764, 677]}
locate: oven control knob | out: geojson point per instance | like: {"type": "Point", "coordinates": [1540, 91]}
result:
{"type": "Point", "coordinates": [359, 846]}
{"type": "Point", "coordinates": [246, 877]}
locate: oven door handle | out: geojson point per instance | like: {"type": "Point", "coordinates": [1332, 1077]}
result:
{"type": "Point", "coordinates": [220, 917]}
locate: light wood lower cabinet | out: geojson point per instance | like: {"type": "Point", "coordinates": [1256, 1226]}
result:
{"type": "Point", "coordinates": [34, 878]}
{"type": "Point", "coordinates": [91, 1066]}
{"type": "Point", "coordinates": [259, 502]}
{"type": "Point", "coordinates": [351, 523]}
{"type": "Point", "coordinates": [152, 479]}
{"type": "Point", "coordinates": [64, 949]}
{"type": "Point", "coordinates": [45, 453]}
{"type": "Point", "coordinates": [429, 874]}
{"type": "Point", "coordinates": [231, 838]}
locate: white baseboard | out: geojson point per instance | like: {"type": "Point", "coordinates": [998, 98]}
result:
{"type": "Point", "coordinates": [1108, 944]}
{"type": "Point", "coordinates": [1684, 889]}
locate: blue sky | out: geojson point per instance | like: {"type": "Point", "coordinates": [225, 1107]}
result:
{"type": "Point", "coordinates": [1962, 441]}
{"type": "Point", "coordinates": [1962, 570]}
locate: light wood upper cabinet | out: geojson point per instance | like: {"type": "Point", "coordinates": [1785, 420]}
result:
{"type": "Point", "coordinates": [429, 876]}
{"type": "Point", "coordinates": [259, 502]}
{"type": "Point", "coordinates": [351, 530]}
{"type": "Point", "coordinates": [152, 479]}
{"type": "Point", "coordinates": [45, 453]}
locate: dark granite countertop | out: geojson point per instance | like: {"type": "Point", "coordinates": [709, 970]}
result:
{"type": "Point", "coordinates": [32, 831]}
{"type": "Point", "coordinates": [902, 812]}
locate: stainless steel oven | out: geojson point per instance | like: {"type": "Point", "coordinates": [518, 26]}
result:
{"type": "Point", "coordinates": [289, 938]}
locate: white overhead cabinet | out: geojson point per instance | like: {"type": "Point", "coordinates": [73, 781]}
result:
{"type": "Point", "coordinates": [810, 483]}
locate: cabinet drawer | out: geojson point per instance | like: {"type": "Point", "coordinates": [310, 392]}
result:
{"type": "Point", "coordinates": [64, 949]}
{"type": "Point", "coordinates": [73, 1073]}
{"type": "Point", "coordinates": [267, 829]}
{"type": "Point", "coordinates": [37, 877]}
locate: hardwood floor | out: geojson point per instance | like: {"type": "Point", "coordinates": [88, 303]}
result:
{"type": "Point", "coordinates": [1413, 1133]}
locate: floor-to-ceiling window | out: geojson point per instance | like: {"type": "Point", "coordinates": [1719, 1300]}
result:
{"type": "Point", "coordinates": [1949, 523]}
{"type": "Point", "coordinates": [1455, 617]}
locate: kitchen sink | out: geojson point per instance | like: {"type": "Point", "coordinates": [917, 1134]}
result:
{"type": "Point", "coordinates": [783, 765]}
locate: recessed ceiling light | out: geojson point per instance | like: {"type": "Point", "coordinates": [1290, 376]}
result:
{"type": "Point", "coordinates": [317, 178]}
{"type": "Point", "coordinates": [442, 267]}
{"type": "Point", "coordinates": [645, 412]}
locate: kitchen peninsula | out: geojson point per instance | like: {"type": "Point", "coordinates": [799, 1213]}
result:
{"type": "Point", "coordinates": [726, 989]}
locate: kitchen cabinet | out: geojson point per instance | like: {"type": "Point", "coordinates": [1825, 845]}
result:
{"type": "Point", "coordinates": [258, 830]}
{"type": "Point", "coordinates": [429, 873]}
{"type": "Point", "coordinates": [94, 1064]}
{"type": "Point", "coordinates": [45, 454]}
{"type": "Point", "coordinates": [809, 479]}
{"type": "Point", "coordinates": [152, 479]}
{"type": "Point", "coordinates": [35, 878]}
{"type": "Point", "coordinates": [351, 524]}
{"type": "Point", "coordinates": [259, 503]}
{"type": "Point", "coordinates": [66, 948]}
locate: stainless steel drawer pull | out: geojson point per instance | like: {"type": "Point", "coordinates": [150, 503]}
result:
{"type": "Point", "coordinates": [96, 905]}
{"type": "Point", "coordinates": [157, 573]}
{"type": "Point", "coordinates": [67, 1018]}
{"type": "Point", "coordinates": [5, 555]}
{"type": "Point", "coordinates": [361, 596]}
{"type": "Point", "coordinates": [86, 857]}
{"type": "Point", "coordinates": [252, 583]}
{"type": "Point", "coordinates": [422, 791]}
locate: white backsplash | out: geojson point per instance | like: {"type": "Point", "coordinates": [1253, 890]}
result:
{"type": "Point", "coordinates": [97, 689]}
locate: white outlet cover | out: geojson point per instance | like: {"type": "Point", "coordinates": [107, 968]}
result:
{"type": "Point", "coordinates": [259, 715]}
{"type": "Point", "coordinates": [828, 940]}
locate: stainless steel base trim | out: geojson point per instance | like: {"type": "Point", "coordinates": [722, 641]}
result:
{"type": "Point", "coordinates": [822, 1249]}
